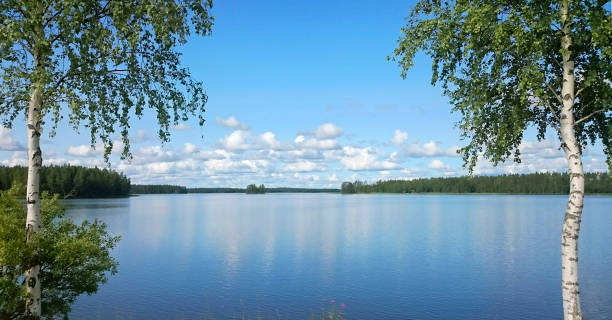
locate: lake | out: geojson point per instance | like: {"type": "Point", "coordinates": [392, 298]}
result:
{"type": "Point", "coordinates": [286, 256]}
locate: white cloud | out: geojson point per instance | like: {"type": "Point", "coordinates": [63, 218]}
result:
{"type": "Point", "coordinates": [85, 150]}
{"type": "Point", "coordinates": [212, 154]}
{"type": "Point", "coordinates": [232, 122]}
{"type": "Point", "coordinates": [189, 148]}
{"type": "Point", "coordinates": [141, 136]}
{"type": "Point", "coordinates": [216, 167]}
{"type": "Point", "coordinates": [436, 164]}
{"type": "Point", "coordinates": [429, 149]}
{"type": "Point", "coordinates": [542, 149]}
{"type": "Point", "coordinates": [328, 131]}
{"type": "Point", "coordinates": [269, 139]}
{"type": "Point", "coordinates": [332, 178]}
{"type": "Point", "coordinates": [304, 166]}
{"type": "Point", "coordinates": [399, 137]}
{"type": "Point", "coordinates": [314, 143]}
{"type": "Point", "coordinates": [8, 142]}
{"type": "Point", "coordinates": [181, 127]}
{"type": "Point", "coordinates": [357, 159]}
{"type": "Point", "coordinates": [153, 154]}
{"type": "Point", "coordinates": [18, 158]}
{"type": "Point", "coordinates": [236, 141]}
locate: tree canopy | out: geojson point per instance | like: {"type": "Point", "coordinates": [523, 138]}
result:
{"type": "Point", "coordinates": [499, 62]}
{"type": "Point", "coordinates": [100, 62]}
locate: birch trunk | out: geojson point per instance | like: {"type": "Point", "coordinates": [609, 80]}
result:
{"type": "Point", "coordinates": [33, 218]}
{"type": "Point", "coordinates": [572, 148]}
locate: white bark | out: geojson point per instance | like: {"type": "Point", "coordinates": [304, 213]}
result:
{"type": "Point", "coordinates": [573, 212]}
{"type": "Point", "coordinates": [33, 218]}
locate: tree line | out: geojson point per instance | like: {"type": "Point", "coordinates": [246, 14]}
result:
{"type": "Point", "coordinates": [156, 189]}
{"type": "Point", "coordinates": [70, 181]}
{"type": "Point", "coordinates": [253, 189]}
{"type": "Point", "coordinates": [534, 183]}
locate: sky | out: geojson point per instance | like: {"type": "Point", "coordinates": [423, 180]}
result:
{"type": "Point", "coordinates": [300, 94]}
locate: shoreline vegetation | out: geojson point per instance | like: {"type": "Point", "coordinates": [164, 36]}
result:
{"type": "Point", "coordinates": [82, 182]}
{"type": "Point", "coordinates": [70, 181]}
{"type": "Point", "coordinates": [533, 183]}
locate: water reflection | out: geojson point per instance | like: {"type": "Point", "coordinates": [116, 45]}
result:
{"type": "Point", "coordinates": [385, 256]}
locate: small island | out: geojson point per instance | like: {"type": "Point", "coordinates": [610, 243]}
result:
{"type": "Point", "coordinates": [253, 189]}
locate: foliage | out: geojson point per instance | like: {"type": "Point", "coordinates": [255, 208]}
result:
{"type": "Point", "coordinates": [74, 258]}
{"type": "Point", "coordinates": [71, 181]}
{"type": "Point", "coordinates": [102, 61]}
{"type": "Point", "coordinates": [500, 64]}
{"type": "Point", "coordinates": [253, 189]}
{"type": "Point", "coordinates": [535, 183]}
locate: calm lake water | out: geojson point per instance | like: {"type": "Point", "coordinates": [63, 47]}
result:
{"type": "Point", "coordinates": [285, 256]}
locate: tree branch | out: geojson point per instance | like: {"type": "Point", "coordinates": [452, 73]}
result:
{"type": "Point", "coordinates": [552, 110]}
{"type": "Point", "coordinates": [554, 92]}
{"type": "Point", "coordinates": [590, 115]}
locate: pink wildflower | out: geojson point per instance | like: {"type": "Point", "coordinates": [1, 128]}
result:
{"type": "Point", "coordinates": [342, 305]}
{"type": "Point", "coordinates": [332, 301]}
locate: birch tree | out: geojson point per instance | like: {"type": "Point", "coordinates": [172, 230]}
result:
{"type": "Point", "coordinates": [99, 63]}
{"type": "Point", "coordinates": [510, 65]}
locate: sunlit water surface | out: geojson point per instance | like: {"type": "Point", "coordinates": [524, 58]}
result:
{"type": "Point", "coordinates": [285, 256]}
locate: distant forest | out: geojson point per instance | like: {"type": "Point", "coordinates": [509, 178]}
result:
{"type": "Point", "coordinates": [535, 183]}
{"type": "Point", "coordinates": [156, 189]}
{"type": "Point", "coordinates": [165, 189]}
{"type": "Point", "coordinates": [70, 181]}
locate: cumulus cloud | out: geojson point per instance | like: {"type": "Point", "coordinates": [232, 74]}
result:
{"type": "Point", "coordinates": [399, 137]}
{"type": "Point", "coordinates": [232, 123]}
{"type": "Point", "coordinates": [304, 166]}
{"type": "Point", "coordinates": [436, 164]}
{"type": "Point", "coordinates": [328, 131]}
{"type": "Point", "coordinates": [8, 142]}
{"type": "Point", "coordinates": [429, 149]}
{"type": "Point", "coordinates": [189, 148]}
{"type": "Point", "coordinates": [141, 136]}
{"type": "Point", "coordinates": [236, 141]}
{"type": "Point", "coordinates": [85, 150]}
{"type": "Point", "coordinates": [151, 154]}
{"type": "Point", "coordinates": [332, 178]}
{"type": "Point", "coordinates": [181, 127]}
{"type": "Point", "coordinates": [357, 159]}
{"type": "Point", "coordinates": [314, 143]}
{"type": "Point", "coordinates": [18, 158]}
{"type": "Point", "coordinates": [542, 149]}
{"type": "Point", "coordinates": [269, 140]}
{"type": "Point", "coordinates": [215, 166]}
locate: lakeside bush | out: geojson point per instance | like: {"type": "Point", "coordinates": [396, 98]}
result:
{"type": "Point", "coordinates": [74, 259]}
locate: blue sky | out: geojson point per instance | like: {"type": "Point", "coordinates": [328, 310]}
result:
{"type": "Point", "coordinates": [300, 94]}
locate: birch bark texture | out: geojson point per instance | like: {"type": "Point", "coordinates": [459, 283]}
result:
{"type": "Point", "coordinates": [573, 153]}
{"type": "Point", "coordinates": [33, 218]}
{"type": "Point", "coordinates": [100, 63]}
{"type": "Point", "coordinates": [507, 66]}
